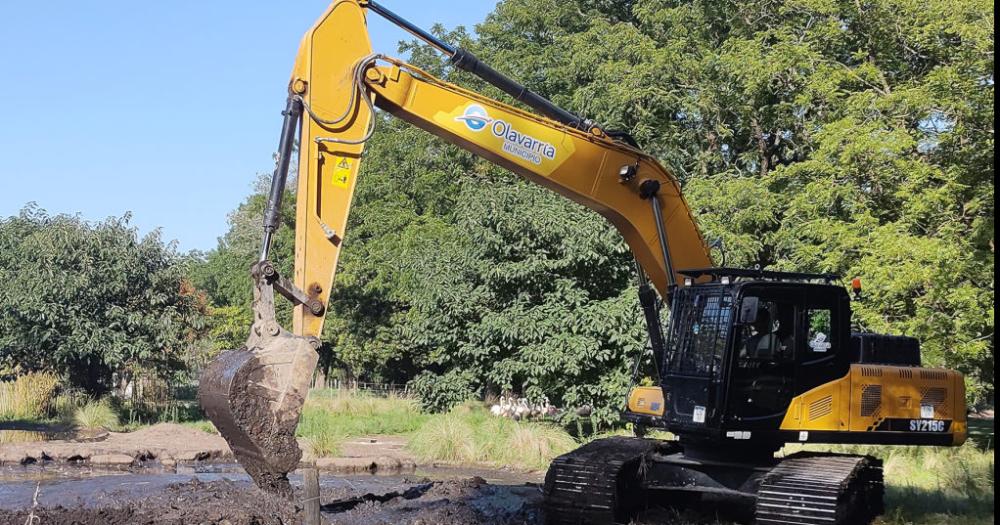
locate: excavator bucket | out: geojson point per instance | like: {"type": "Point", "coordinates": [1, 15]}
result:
{"type": "Point", "coordinates": [254, 396]}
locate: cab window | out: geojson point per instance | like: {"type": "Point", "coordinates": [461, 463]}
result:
{"type": "Point", "coordinates": [819, 326]}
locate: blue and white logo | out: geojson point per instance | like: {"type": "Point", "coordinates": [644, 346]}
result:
{"type": "Point", "coordinates": [475, 117]}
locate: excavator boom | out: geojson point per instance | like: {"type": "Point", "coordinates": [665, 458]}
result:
{"type": "Point", "coordinates": [254, 395]}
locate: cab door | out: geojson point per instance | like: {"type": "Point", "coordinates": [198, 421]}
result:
{"type": "Point", "coordinates": [825, 336]}
{"type": "Point", "coordinates": [765, 351]}
{"type": "Point", "coordinates": [696, 347]}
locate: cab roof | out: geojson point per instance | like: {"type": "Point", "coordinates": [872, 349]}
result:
{"type": "Point", "coordinates": [745, 274]}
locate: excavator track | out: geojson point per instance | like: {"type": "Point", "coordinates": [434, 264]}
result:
{"type": "Point", "coordinates": [597, 483]}
{"type": "Point", "coordinates": [821, 489]}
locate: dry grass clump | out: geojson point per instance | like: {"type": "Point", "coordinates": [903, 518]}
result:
{"type": "Point", "coordinates": [96, 414]}
{"type": "Point", "coordinates": [27, 397]}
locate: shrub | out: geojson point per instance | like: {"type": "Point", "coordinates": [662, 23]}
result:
{"type": "Point", "coordinates": [96, 414]}
{"type": "Point", "coordinates": [28, 396]}
{"type": "Point", "coordinates": [439, 393]}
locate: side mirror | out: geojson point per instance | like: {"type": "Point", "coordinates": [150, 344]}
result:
{"type": "Point", "coordinates": [748, 310]}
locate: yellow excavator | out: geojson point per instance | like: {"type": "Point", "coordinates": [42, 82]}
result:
{"type": "Point", "coordinates": [749, 361]}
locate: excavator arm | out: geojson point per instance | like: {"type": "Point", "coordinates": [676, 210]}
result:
{"type": "Point", "coordinates": [255, 395]}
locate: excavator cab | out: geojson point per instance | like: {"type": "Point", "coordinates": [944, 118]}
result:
{"type": "Point", "coordinates": [743, 344]}
{"type": "Point", "coordinates": [755, 359]}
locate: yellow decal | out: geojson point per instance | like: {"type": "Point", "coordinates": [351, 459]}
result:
{"type": "Point", "coordinates": [531, 144]}
{"type": "Point", "coordinates": [342, 172]}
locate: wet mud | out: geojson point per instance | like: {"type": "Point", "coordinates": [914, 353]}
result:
{"type": "Point", "coordinates": [234, 500]}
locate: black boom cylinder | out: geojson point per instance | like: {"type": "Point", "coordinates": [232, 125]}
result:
{"type": "Point", "coordinates": [466, 61]}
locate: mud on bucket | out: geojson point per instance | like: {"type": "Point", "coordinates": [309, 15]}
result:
{"type": "Point", "coordinates": [254, 398]}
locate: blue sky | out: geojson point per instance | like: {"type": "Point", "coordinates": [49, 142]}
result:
{"type": "Point", "coordinates": [165, 109]}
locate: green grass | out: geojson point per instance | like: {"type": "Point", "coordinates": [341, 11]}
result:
{"type": "Point", "coordinates": [469, 434]}
{"type": "Point", "coordinates": [931, 485]}
{"type": "Point", "coordinates": [203, 425]}
{"type": "Point", "coordinates": [331, 416]}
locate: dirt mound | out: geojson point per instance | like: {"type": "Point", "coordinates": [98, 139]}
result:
{"type": "Point", "coordinates": [164, 441]}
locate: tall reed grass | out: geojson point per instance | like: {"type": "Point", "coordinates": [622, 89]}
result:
{"type": "Point", "coordinates": [27, 397]}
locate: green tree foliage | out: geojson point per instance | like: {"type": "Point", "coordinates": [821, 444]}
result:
{"type": "Point", "coordinates": [473, 282]}
{"type": "Point", "coordinates": [89, 299]}
{"type": "Point", "coordinates": [846, 137]}
{"type": "Point", "coordinates": [223, 274]}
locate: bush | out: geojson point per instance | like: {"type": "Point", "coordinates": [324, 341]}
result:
{"type": "Point", "coordinates": [28, 396]}
{"type": "Point", "coordinates": [96, 414]}
{"type": "Point", "coordinates": [439, 393]}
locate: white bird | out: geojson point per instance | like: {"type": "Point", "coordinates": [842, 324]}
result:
{"type": "Point", "coordinates": [497, 410]}
{"type": "Point", "coordinates": [507, 407]}
{"type": "Point", "coordinates": [522, 410]}
{"type": "Point", "coordinates": [537, 409]}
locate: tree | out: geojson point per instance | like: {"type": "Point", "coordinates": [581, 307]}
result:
{"type": "Point", "coordinates": [828, 136]}
{"type": "Point", "coordinates": [467, 281]}
{"type": "Point", "coordinates": [86, 300]}
{"type": "Point", "coordinates": [223, 273]}
{"type": "Point", "coordinates": [845, 137]}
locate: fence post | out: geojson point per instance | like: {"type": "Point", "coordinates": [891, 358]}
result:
{"type": "Point", "coordinates": [310, 485]}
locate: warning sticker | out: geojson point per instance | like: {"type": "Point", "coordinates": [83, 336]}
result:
{"type": "Point", "coordinates": [342, 172]}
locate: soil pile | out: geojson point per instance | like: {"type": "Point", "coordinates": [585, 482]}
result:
{"type": "Point", "coordinates": [164, 441]}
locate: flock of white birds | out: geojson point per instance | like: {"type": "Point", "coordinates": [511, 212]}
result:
{"type": "Point", "coordinates": [518, 408]}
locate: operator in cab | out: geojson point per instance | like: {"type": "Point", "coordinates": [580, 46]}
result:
{"type": "Point", "coordinates": [769, 337]}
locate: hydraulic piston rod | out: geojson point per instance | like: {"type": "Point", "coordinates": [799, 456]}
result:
{"type": "Point", "coordinates": [465, 60]}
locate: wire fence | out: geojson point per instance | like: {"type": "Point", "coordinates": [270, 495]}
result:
{"type": "Point", "coordinates": [373, 389]}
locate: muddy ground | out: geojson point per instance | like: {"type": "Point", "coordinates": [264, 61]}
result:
{"type": "Point", "coordinates": [172, 475]}
{"type": "Point", "coordinates": [166, 443]}
{"type": "Point", "coordinates": [162, 499]}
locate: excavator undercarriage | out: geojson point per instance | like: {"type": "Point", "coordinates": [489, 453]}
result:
{"type": "Point", "coordinates": [614, 479]}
